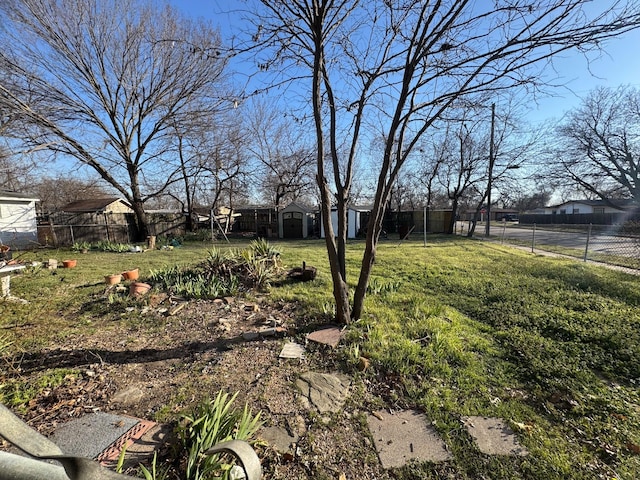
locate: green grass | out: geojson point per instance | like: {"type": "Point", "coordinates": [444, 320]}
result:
{"type": "Point", "coordinates": [456, 328]}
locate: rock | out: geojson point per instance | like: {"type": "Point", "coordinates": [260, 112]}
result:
{"type": "Point", "coordinates": [128, 396]}
{"type": "Point", "coordinates": [327, 392]}
{"type": "Point", "coordinates": [280, 439]}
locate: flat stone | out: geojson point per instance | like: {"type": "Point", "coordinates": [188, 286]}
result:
{"type": "Point", "coordinates": [128, 396]}
{"type": "Point", "coordinates": [404, 436]}
{"type": "Point", "coordinates": [327, 392]}
{"type": "Point", "coordinates": [292, 350]}
{"type": "Point", "coordinates": [493, 436]}
{"type": "Point", "coordinates": [279, 438]}
{"type": "Point", "coordinates": [89, 435]}
{"type": "Point", "coordinates": [328, 336]}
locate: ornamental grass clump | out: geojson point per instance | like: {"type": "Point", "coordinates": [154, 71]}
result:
{"type": "Point", "coordinates": [212, 422]}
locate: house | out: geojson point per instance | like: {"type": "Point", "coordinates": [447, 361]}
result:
{"type": "Point", "coordinates": [18, 226]}
{"type": "Point", "coordinates": [355, 221]}
{"type": "Point", "coordinates": [574, 207]}
{"type": "Point", "coordinates": [585, 212]}
{"type": "Point", "coordinates": [295, 221]}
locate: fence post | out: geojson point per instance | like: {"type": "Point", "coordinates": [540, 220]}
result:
{"type": "Point", "coordinates": [72, 239]}
{"type": "Point", "coordinates": [586, 247]}
{"type": "Point", "coordinates": [533, 238]}
{"type": "Point", "coordinates": [504, 230]}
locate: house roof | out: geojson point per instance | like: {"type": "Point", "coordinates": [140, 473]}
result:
{"type": "Point", "coordinates": [92, 205]}
{"type": "Point", "coordinates": [620, 202]}
{"type": "Point", "coordinates": [297, 207]}
{"type": "Point", "coordinates": [12, 195]}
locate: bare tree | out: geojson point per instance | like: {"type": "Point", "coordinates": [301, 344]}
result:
{"type": "Point", "coordinates": [104, 81]}
{"type": "Point", "coordinates": [285, 162]}
{"type": "Point", "coordinates": [56, 192]}
{"type": "Point", "coordinates": [599, 148]}
{"type": "Point", "coordinates": [400, 65]}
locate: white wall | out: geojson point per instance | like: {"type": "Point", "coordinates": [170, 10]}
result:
{"type": "Point", "coordinates": [353, 223]}
{"type": "Point", "coordinates": [18, 226]}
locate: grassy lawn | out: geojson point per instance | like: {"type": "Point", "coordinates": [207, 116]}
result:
{"type": "Point", "coordinates": [456, 328]}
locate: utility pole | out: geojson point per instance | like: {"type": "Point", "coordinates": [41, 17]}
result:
{"type": "Point", "coordinates": [487, 228]}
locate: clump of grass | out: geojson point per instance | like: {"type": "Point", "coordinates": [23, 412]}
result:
{"type": "Point", "coordinates": [222, 273]}
{"type": "Point", "coordinates": [194, 282]}
{"type": "Point", "coordinates": [212, 422]}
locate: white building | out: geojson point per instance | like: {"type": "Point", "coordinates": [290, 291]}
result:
{"type": "Point", "coordinates": [18, 226]}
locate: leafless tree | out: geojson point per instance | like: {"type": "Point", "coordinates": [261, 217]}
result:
{"type": "Point", "coordinates": [400, 65]}
{"type": "Point", "coordinates": [285, 162]}
{"type": "Point", "coordinates": [599, 147]}
{"type": "Point", "coordinates": [214, 164]}
{"type": "Point", "coordinates": [56, 192]}
{"type": "Point", "coordinates": [104, 81]}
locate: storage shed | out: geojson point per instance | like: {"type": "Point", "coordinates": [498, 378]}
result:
{"type": "Point", "coordinates": [354, 221]}
{"type": "Point", "coordinates": [295, 221]}
{"type": "Point", "coordinates": [18, 226]}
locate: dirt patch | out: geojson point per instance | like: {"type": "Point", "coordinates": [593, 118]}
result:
{"type": "Point", "coordinates": [162, 364]}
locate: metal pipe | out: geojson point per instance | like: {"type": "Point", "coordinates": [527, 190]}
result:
{"type": "Point", "coordinates": [16, 467]}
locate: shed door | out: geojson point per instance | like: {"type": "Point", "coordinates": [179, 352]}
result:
{"type": "Point", "coordinates": [292, 225]}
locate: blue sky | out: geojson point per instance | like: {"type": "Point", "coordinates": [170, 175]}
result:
{"type": "Point", "coordinates": [618, 64]}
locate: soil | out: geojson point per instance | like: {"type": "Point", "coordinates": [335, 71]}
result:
{"type": "Point", "coordinates": [169, 355]}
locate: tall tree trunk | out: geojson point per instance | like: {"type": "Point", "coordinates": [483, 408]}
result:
{"type": "Point", "coordinates": [142, 222]}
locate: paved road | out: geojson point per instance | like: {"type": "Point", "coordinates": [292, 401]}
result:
{"type": "Point", "coordinates": [598, 242]}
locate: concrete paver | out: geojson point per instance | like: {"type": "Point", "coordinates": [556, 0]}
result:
{"type": "Point", "coordinates": [493, 436]}
{"type": "Point", "coordinates": [404, 436]}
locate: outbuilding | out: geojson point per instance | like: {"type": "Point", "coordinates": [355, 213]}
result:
{"type": "Point", "coordinates": [295, 221]}
{"type": "Point", "coordinates": [354, 221]}
{"type": "Point", "coordinates": [18, 226]}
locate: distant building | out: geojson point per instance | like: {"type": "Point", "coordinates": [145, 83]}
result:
{"type": "Point", "coordinates": [295, 221]}
{"type": "Point", "coordinates": [18, 226]}
{"type": "Point", "coordinates": [574, 207]}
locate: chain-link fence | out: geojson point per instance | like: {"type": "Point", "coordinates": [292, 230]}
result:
{"type": "Point", "coordinates": [613, 244]}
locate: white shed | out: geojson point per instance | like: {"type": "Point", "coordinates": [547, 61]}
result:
{"type": "Point", "coordinates": [354, 221]}
{"type": "Point", "coordinates": [18, 226]}
{"type": "Point", "coordinates": [294, 221]}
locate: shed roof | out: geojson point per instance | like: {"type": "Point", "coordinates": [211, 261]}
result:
{"type": "Point", "coordinates": [92, 205]}
{"type": "Point", "coordinates": [12, 195]}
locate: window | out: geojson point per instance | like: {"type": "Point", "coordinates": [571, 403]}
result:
{"type": "Point", "coordinates": [576, 210]}
{"type": "Point", "coordinates": [598, 210]}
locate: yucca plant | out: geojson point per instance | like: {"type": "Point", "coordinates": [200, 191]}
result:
{"type": "Point", "coordinates": [212, 422]}
{"type": "Point", "coordinates": [263, 249]}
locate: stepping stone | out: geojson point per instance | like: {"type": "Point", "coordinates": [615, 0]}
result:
{"type": "Point", "coordinates": [292, 350]}
{"type": "Point", "coordinates": [99, 435]}
{"type": "Point", "coordinates": [404, 436]}
{"type": "Point", "coordinates": [325, 391]}
{"type": "Point", "coordinates": [493, 436]}
{"type": "Point", "coordinates": [279, 438]}
{"type": "Point", "coordinates": [327, 336]}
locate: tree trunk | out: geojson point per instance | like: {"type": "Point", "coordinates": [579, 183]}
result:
{"type": "Point", "coordinates": [142, 223]}
{"type": "Point", "coordinates": [454, 212]}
